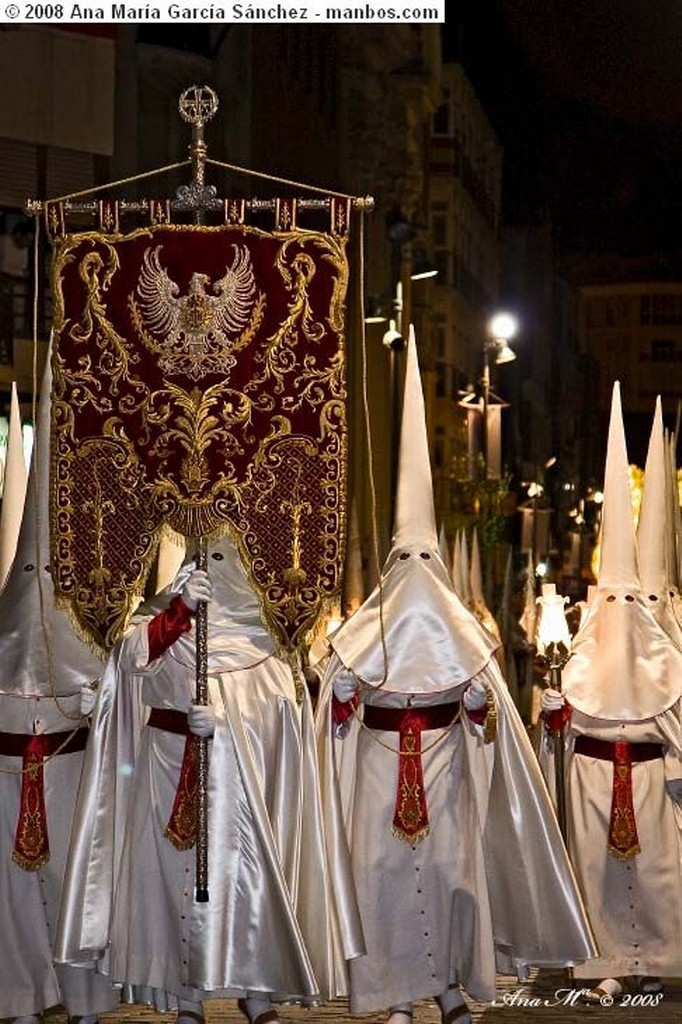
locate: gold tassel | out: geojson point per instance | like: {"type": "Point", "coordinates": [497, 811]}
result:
{"type": "Point", "coordinates": [490, 730]}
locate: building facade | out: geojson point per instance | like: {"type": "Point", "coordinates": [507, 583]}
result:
{"type": "Point", "coordinates": [464, 209]}
{"type": "Point", "coordinates": [632, 330]}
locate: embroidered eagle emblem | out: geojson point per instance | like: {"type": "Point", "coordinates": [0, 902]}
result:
{"type": "Point", "coordinates": [194, 333]}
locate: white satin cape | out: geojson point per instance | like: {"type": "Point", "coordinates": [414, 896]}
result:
{"type": "Point", "coordinates": [311, 933]}
{"type": "Point", "coordinates": [537, 911]}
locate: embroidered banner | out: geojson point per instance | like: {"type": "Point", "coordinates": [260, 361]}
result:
{"type": "Point", "coordinates": [199, 381]}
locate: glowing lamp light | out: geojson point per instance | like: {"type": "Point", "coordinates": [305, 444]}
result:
{"type": "Point", "coordinates": [503, 325]}
{"type": "Point", "coordinates": [552, 625]}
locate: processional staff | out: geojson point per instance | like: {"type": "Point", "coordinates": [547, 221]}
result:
{"type": "Point", "coordinates": [198, 105]}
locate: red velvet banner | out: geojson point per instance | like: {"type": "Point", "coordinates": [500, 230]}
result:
{"type": "Point", "coordinates": [199, 381]}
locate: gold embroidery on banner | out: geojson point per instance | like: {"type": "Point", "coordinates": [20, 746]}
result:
{"type": "Point", "coordinates": [196, 332]}
{"type": "Point", "coordinates": [100, 576]}
{"type": "Point", "coordinates": [119, 477]}
{"type": "Point", "coordinates": [235, 210]}
{"type": "Point", "coordinates": [95, 331]}
{"type": "Point", "coordinates": [54, 219]}
{"type": "Point", "coordinates": [341, 224]}
{"type": "Point", "coordinates": [200, 423]}
{"type": "Point", "coordinates": [295, 576]}
{"type": "Point", "coordinates": [159, 212]}
{"type": "Point", "coordinates": [299, 326]}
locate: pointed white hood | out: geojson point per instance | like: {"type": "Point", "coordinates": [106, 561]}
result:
{"type": "Point", "coordinates": [415, 514]}
{"type": "Point", "coordinates": [478, 602]}
{"type": "Point", "coordinates": [464, 570]}
{"type": "Point", "coordinates": [653, 515]}
{"type": "Point", "coordinates": [443, 546]}
{"type": "Point", "coordinates": [504, 611]}
{"type": "Point", "coordinates": [39, 651]}
{"type": "Point", "coordinates": [672, 516]}
{"type": "Point", "coordinates": [456, 566]}
{"type": "Point", "coordinates": [624, 666]}
{"type": "Point", "coordinates": [432, 641]}
{"type": "Point", "coordinates": [237, 635]}
{"type": "Point", "coordinates": [655, 531]}
{"type": "Point", "coordinates": [169, 558]}
{"type": "Point", "coordinates": [13, 491]}
{"type": "Point", "coordinates": [529, 616]}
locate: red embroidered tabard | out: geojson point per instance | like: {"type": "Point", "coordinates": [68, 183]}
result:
{"type": "Point", "coordinates": [31, 844]}
{"type": "Point", "coordinates": [623, 838]}
{"type": "Point", "coordinates": [181, 829]}
{"type": "Point", "coordinates": [31, 841]}
{"type": "Point", "coordinates": [411, 818]}
{"type": "Point", "coordinates": [623, 841]}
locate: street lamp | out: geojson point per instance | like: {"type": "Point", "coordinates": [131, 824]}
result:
{"type": "Point", "coordinates": [501, 328]}
{"type": "Point", "coordinates": [422, 267]}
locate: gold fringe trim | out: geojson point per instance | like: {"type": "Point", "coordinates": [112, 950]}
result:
{"type": "Point", "coordinates": [30, 865]}
{"type": "Point", "coordinates": [624, 854]}
{"type": "Point", "coordinates": [413, 840]}
{"type": "Point", "coordinates": [177, 842]}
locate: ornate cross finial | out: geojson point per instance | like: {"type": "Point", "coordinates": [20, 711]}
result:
{"type": "Point", "coordinates": [198, 104]}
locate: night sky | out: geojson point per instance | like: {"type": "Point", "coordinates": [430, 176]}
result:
{"type": "Point", "coordinates": [586, 96]}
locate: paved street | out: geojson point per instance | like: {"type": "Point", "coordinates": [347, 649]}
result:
{"type": "Point", "coordinates": [541, 1000]}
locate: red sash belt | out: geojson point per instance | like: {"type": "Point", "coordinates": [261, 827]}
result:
{"type": "Point", "coordinates": [623, 841]}
{"type": "Point", "coordinates": [410, 819]}
{"type": "Point", "coordinates": [181, 829]}
{"type": "Point", "coordinates": [31, 841]}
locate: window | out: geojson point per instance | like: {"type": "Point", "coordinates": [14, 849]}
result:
{"type": "Point", "coordinates": [664, 350]}
{"type": "Point", "coordinates": [663, 310]}
{"type": "Point", "coordinates": [441, 119]}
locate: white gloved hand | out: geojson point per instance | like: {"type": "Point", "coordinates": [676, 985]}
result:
{"type": "Point", "coordinates": [475, 696]}
{"type": "Point", "coordinates": [201, 720]}
{"type": "Point", "coordinates": [552, 700]}
{"type": "Point", "coordinates": [674, 788]}
{"type": "Point", "coordinates": [197, 588]}
{"type": "Point", "coordinates": [88, 698]}
{"type": "Point", "coordinates": [345, 686]}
